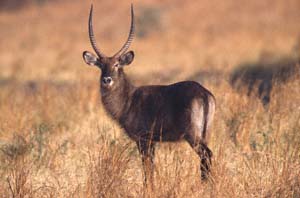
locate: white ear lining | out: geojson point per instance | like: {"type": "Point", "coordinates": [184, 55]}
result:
{"type": "Point", "coordinates": [90, 58]}
{"type": "Point", "coordinates": [127, 58]}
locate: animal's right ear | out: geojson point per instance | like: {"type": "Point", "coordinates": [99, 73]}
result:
{"type": "Point", "coordinates": [90, 58]}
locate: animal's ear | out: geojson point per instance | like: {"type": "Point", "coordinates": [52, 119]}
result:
{"type": "Point", "coordinates": [126, 59]}
{"type": "Point", "coordinates": [90, 58]}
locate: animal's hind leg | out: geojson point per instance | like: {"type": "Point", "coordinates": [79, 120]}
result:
{"type": "Point", "coordinates": [198, 132]}
{"type": "Point", "coordinates": [205, 155]}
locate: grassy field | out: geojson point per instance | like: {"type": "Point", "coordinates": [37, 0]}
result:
{"type": "Point", "coordinates": [57, 141]}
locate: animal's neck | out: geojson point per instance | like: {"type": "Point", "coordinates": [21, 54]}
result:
{"type": "Point", "coordinates": [117, 100]}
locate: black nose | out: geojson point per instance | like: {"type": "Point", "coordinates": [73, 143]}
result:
{"type": "Point", "coordinates": [106, 80]}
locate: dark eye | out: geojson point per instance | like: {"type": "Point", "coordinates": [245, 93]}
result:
{"type": "Point", "coordinates": [116, 64]}
{"type": "Point", "coordinates": [101, 65]}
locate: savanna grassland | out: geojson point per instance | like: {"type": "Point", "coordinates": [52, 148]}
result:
{"type": "Point", "coordinates": [57, 141]}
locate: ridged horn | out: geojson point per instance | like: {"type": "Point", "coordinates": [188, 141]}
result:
{"type": "Point", "coordinates": [130, 36]}
{"type": "Point", "coordinates": [91, 34]}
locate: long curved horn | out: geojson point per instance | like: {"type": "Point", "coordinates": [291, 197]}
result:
{"type": "Point", "coordinates": [130, 36]}
{"type": "Point", "coordinates": [91, 34]}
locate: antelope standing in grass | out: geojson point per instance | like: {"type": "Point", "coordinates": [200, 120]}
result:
{"type": "Point", "coordinates": [153, 113]}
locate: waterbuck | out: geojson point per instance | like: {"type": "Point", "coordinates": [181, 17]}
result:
{"type": "Point", "coordinates": [153, 113]}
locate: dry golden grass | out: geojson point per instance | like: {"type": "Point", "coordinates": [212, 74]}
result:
{"type": "Point", "coordinates": [57, 141]}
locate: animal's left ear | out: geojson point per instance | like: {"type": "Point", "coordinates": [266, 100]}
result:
{"type": "Point", "coordinates": [126, 59]}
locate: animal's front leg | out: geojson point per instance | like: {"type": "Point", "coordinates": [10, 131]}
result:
{"type": "Point", "coordinates": [146, 148]}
